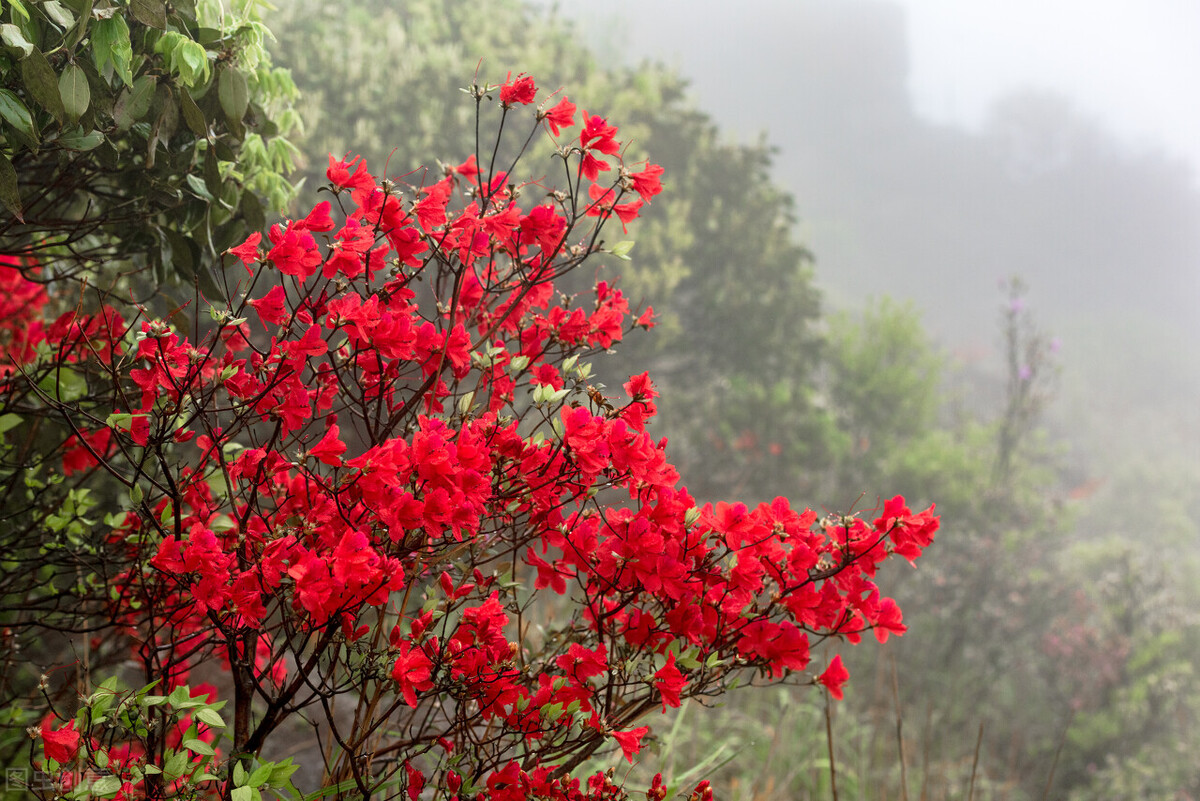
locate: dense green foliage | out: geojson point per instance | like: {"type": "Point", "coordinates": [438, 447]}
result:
{"type": "Point", "coordinates": [139, 136]}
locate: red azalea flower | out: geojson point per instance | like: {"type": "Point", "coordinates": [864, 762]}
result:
{"type": "Point", "coordinates": [669, 681]}
{"type": "Point", "coordinates": [834, 677]}
{"type": "Point", "coordinates": [561, 115]}
{"type": "Point", "coordinates": [631, 741]}
{"type": "Point", "coordinates": [271, 307]}
{"type": "Point", "coordinates": [61, 745]}
{"type": "Point", "coordinates": [646, 183]}
{"type": "Point", "coordinates": [522, 90]}
{"type": "Point", "coordinates": [330, 449]}
{"type": "Point", "coordinates": [340, 176]}
{"type": "Point", "coordinates": [412, 673]}
{"type": "Point", "coordinates": [597, 134]}
{"type": "Point", "coordinates": [248, 250]}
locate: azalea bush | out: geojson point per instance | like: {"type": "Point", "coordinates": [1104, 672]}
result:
{"type": "Point", "coordinates": [371, 507]}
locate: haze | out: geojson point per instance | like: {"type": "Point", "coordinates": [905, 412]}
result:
{"type": "Point", "coordinates": [937, 147]}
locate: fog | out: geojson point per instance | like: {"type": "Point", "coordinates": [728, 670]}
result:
{"type": "Point", "coordinates": [935, 148]}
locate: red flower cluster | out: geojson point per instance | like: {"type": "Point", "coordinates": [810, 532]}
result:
{"type": "Point", "coordinates": [389, 477]}
{"type": "Point", "coordinates": [519, 90]}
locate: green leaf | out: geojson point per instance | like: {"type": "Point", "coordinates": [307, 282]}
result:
{"type": "Point", "coordinates": [166, 122]}
{"type": "Point", "coordinates": [110, 44]}
{"type": "Point", "coordinates": [242, 794]}
{"type": "Point", "coordinates": [74, 91]}
{"type": "Point", "coordinates": [42, 83]}
{"type": "Point", "coordinates": [179, 696]}
{"type": "Point", "coordinates": [9, 421]}
{"type": "Point", "coordinates": [9, 195]}
{"type": "Point", "coordinates": [199, 747]}
{"type": "Point", "coordinates": [208, 284]}
{"type": "Point", "coordinates": [19, 10]}
{"type": "Point", "coordinates": [59, 14]}
{"type": "Point", "coordinates": [239, 775]}
{"type": "Point", "coordinates": [106, 786]}
{"type": "Point", "coordinates": [193, 62]}
{"type": "Point", "coordinates": [119, 420]}
{"type": "Point", "coordinates": [260, 775]}
{"type": "Point", "coordinates": [212, 174]}
{"type": "Point", "coordinates": [179, 254]}
{"type": "Point", "coordinates": [17, 115]}
{"type": "Point", "coordinates": [234, 93]}
{"type": "Point", "coordinates": [81, 25]}
{"type": "Point", "coordinates": [80, 141]}
{"type": "Point", "coordinates": [210, 717]}
{"type": "Point", "coordinates": [281, 772]}
{"type": "Point", "coordinates": [252, 211]}
{"type": "Point", "coordinates": [185, 57]}
{"type": "Point", "coordinates": [11, 35]}
{"type": "Point", "coordinates": [134, 102]}
{"type": "Point", "coordinates": [192, 115]}
{"type": "Point", "coordinates": [196, 184]}
{"type": "Point", "coordinates": [621, 249]}
{"type": "Point", "coordinates": [151, 13]}
{"type": "Point", "coordinates": [176, 765]}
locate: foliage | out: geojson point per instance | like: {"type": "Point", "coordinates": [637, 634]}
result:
{"type": "Point", "coordinates": [882, 384]}
{"type": "Point", "coordinates": [138, 136]}
{"type": "Point", "coordinates": [400, 515]}
{"type": "Point", "coordinates": [1059, 651]}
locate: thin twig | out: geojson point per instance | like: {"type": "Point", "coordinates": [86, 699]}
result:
{"type": "Point", "coordinates": [926, 744]}
{"type": "Point", "coordinates": [1057, 752]}
{"type": "Point", "coordinates": [829, 743]}
{"type": "Point", "coordinates": [975, 764]}
{"type": "Point", "coordinates": [899, 728]}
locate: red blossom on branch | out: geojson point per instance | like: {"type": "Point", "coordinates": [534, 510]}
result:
{"type": "Point", "coordinates": [519, 90]}
{"type": "Point", "coordinates": [834, 676]}
{"type": "Point", "coordinates": [378, 492]}
{"type": "Point", "coordinates": [61, 745]}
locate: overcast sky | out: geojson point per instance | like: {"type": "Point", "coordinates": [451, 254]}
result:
{"type": "Point", "coordinates": [1134, 64]}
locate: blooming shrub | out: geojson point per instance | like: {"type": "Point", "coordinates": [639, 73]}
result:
{"type": "Point", "coordinates": [379, 491]}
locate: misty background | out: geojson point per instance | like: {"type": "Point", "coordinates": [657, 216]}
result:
{"type": "Point", "coordinates": [937, 148]}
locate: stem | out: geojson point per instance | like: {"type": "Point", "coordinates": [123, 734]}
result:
{"type": "Point", "coordinates": [829, 745]}
{"type": "Point", "coordinates": [975, 763]}
{"type": "Point", "coordinates": [899, 728]}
